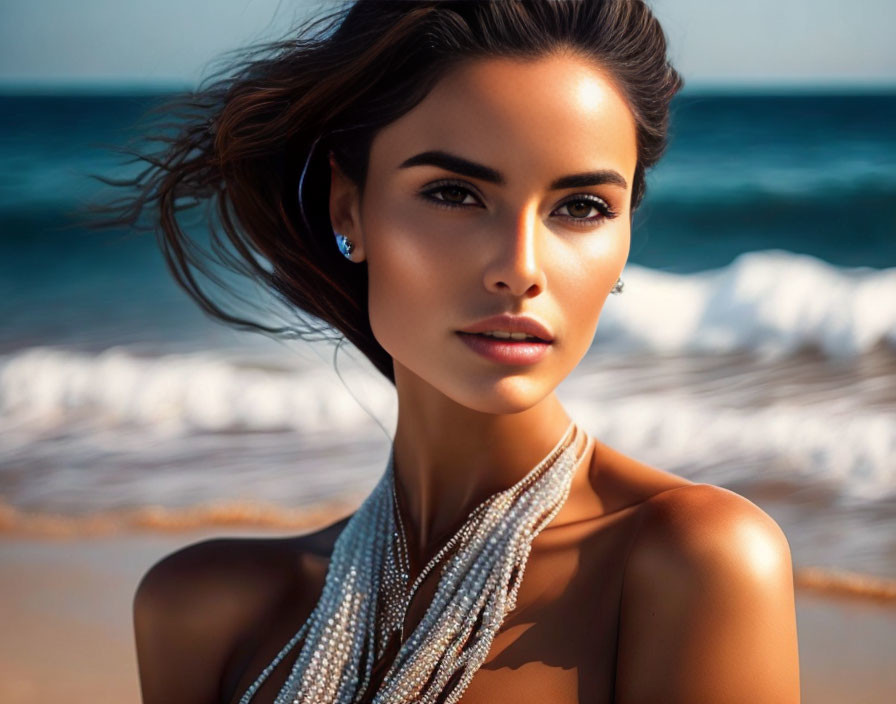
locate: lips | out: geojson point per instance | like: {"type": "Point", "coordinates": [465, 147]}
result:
{"type": "Point", "coordinates": [505, 351]}
{"type": "Point", "coordinates": [511, 324]}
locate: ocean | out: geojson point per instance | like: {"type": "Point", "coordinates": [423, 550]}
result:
{"type": "Point", "coordinates": [754, 346]}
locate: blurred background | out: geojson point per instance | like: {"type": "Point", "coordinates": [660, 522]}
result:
{"type": "Point", "coordinates": [754, 346]}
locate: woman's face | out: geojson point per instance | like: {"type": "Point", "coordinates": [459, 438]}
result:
{"type": "Point", "coordinates": [447, 246]}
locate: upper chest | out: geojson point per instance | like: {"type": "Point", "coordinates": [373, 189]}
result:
{"type": "Point", "coordinates": [558, 644]}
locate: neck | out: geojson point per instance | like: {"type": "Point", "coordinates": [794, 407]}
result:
{"type": "Point", "coordinates": [449, 458]}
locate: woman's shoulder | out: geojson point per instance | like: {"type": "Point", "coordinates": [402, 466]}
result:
{"type": "Point", "coordinates": [193, 606]}
{"type": "Point", "coordinates": [681, 523]}
{"type": "Point", "coordinates": [708, 602]}
{"type": "Point", "coordinates": [623, 482]}
{"type": "Point", "coordinates": [683, 527]}
{"type": "Point", "coordinates": [696, 521]}
{"type": "Point", "coordinates": [668, 504]}
{"type": "Point", "coordinates": [246, 563]}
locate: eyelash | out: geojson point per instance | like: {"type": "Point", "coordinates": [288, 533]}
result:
{"type": "Point", "coordinates": [606, 212]}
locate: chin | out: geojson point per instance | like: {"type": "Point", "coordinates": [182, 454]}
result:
{"type": "Point", "coordinates": [503, 397]}
{"type": "Point", "coordinates": [512, 391]}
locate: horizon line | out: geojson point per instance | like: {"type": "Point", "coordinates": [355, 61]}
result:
{"type": "Point", "coordinates": [692, 87]}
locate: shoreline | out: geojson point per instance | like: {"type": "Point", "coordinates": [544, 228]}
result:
{"type": "Point", "coordinates": [61, 595]}
{"type": "Point", "coordinates": [217, 518]}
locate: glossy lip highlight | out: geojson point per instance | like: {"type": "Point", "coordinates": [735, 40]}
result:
{"type": "Point", "coordinates": [507, 322]}
{"type": "Point", "coordinates": [505, 351]}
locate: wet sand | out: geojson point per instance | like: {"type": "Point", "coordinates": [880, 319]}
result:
{"type": "Point", "coordinates": [66, 615]}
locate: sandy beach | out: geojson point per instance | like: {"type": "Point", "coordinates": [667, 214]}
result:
{"type": "Point", "coordinates": [66, 614]}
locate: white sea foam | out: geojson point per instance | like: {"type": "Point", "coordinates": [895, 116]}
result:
{"type": "Point", "coordinates": [771, 302]}
{"type": "Point", "coordinates": [852, 450]}
{"type": "Point", "coordinates": [648, 388]}
{"type": "Point", "coordinates": [175, 394]}
{"type": "Point", "coordinates": [65, 411]}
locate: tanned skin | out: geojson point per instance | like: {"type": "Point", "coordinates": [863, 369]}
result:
{"type": "Point", "coordinates": [646, 587]}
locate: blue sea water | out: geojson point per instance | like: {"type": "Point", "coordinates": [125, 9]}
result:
{"type": "Point", "coordinates": [813, 175]}
{"type": "Point", "coordinates": [754, 346]}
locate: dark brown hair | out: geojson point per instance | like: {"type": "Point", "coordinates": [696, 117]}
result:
{"type": "Point", "coordinates": [251, 143]}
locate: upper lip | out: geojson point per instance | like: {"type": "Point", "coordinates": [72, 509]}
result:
{"type": "Point", "coordinates": [512, 323]}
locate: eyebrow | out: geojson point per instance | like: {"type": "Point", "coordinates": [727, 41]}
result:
{"type": "Point", "coordinates": [459, 165]}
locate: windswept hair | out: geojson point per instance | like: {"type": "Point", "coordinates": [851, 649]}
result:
{"type": "Point", "coordinates": [251, 143]}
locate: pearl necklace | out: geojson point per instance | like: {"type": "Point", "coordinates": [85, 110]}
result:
{"type": "Point", "coordinates": [366, 595]}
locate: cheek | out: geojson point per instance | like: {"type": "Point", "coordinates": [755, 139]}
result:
{"type": "Point", "coordinates": [410, 269]}
{"type": "Point", "coordinates": [596, 266]}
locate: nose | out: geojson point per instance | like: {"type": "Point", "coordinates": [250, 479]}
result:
{"type": "Point", "coordinates": [517, 264]}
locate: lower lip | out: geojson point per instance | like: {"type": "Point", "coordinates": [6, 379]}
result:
{"type": "Point", "coordinates": [505, 351]}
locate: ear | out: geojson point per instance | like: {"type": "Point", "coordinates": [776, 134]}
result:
{"type": "Point", "coordinates": [345, 202]}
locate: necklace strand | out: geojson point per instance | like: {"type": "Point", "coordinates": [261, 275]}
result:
{"type": "Point", "coordinates": [478, 586]}
{"type": "Point", "coordinates": [567, 439]}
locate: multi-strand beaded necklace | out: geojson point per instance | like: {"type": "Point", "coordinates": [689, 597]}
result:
{"type": "Point", "coordinates": [366, 595]}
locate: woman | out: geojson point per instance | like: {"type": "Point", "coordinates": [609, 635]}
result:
{"type": "Point", "coordinates": [450, 186]}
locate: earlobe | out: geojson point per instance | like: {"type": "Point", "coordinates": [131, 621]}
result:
{"type": "Point", "coordinates": [346, 246]}
{"type": "Point", "coordinates": [344, 213]}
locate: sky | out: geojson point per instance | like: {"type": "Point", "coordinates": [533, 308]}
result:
{"type": "Point", "coordinates": [172, 42]}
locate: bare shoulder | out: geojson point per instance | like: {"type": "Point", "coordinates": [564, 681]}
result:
{"type": "Point", "coordinates": [707, 609]}
{"type": "Point", "coordinates": [692, 525]}
{"type": "Point", "coordinates": [191, 608]}
{"type": "Point", "coordinates": [622, 481]}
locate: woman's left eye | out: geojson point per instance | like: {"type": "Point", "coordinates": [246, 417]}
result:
{"type": "Point", "coordinates": [582, 204]}
{"type": "Point", "coordinates": [577, 207]}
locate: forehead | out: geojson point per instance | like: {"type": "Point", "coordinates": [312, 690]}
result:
{"type": "Point", "coordinates": [554, 113]}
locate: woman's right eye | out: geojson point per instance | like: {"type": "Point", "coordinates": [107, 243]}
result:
{"type": "Point", "coordinates": [456, 195]}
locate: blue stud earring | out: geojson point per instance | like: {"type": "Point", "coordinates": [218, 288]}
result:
{"type": "Point", "coordinates": [617, 287]}
{"type": "Point", "coordinates": [346, 246]}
